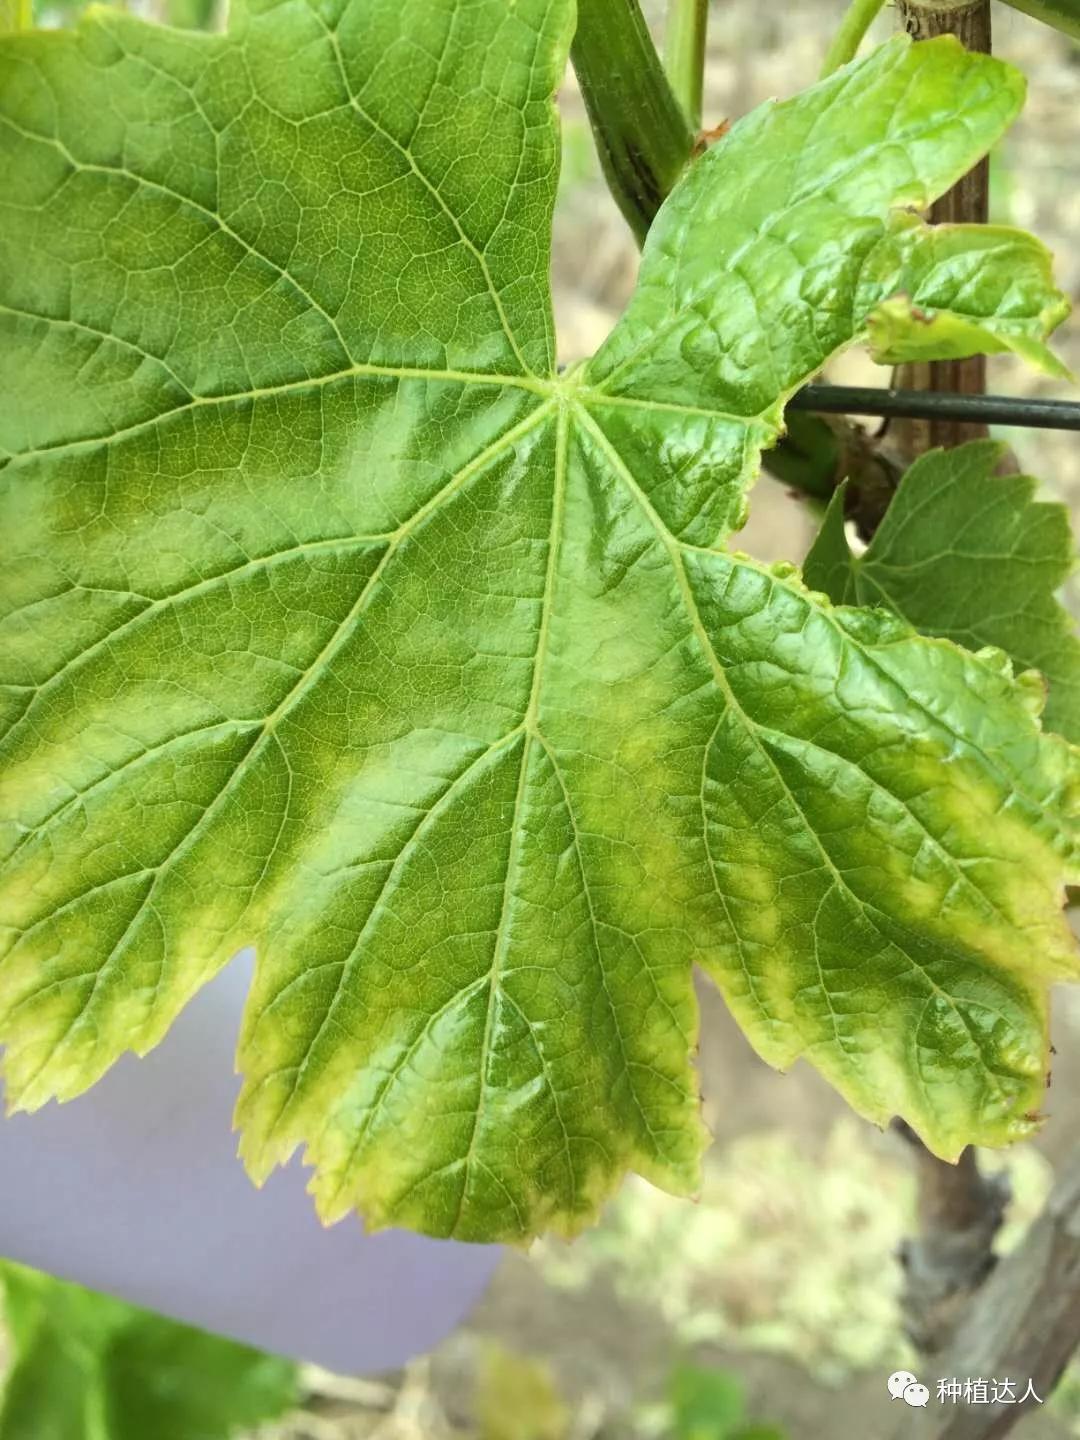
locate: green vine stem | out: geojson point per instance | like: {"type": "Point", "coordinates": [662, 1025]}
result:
{"type": "Point", "coordinates": [858, 18]}
{"type": "Point", "coordinates": [1063, 15]}
{"type": "Point", "coordinates": [684, 54]}
{"type": "Point", "coordinates": [643, 137]}
{"type": "Point", "coordinates": [967, 203]}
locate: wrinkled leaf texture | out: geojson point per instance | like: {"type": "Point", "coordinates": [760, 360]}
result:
{"type": "Point", "coordinates": [342, 623]}
{"type": "Point", "coordinates": [931, 320]}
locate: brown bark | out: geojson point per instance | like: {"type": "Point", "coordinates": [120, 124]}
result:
{"type": "Point", "coordinates": [967, 202]}
{"type": "Point", "coordinates": [1023, 1325]}
{"type": "Point", "coordinates": [960, 1213]}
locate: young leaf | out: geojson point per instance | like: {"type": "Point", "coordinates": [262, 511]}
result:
{"type": "Point", "coordinates": [340, 621]}
{"type": "Point", "coordinates": [90, 1366]}
{"type": "Point", "coordinates": [970, 555]}
{"type": "Point", "coordinates": [971, 290]}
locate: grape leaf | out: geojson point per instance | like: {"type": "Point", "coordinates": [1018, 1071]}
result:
{"type": "Point", "coordinates": [342, 622]}
{"type": "Point", "coordinates": [969, 555]}
{"type": "Point", "coordinates": [87, 1365]}
{"type": "Point", "coordinates": [931, 317]}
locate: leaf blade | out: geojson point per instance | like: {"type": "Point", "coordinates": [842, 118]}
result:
{"type": "Point", "coordinates": [954, 531]}
{"type": "Point", "coordinates": [344, 623]}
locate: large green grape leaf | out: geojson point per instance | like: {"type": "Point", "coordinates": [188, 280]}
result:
{"type": "Point", "coordinates": [87, 1367]}
{"type": "Point", "coordinates": [971, 555]}
{"type": "Point", "coordinates": [342, 623]}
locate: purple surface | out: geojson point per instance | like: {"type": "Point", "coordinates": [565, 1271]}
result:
{"type": "Point", "coordinates": [135, 1189]}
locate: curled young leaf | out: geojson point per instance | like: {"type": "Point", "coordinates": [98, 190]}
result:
{"type": "Point", "coordinates": [342, 622]}
{"type": "Point", "coordinates": [966, 290]}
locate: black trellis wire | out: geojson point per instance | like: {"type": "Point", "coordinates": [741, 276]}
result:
{"type": "Point", "coordinates": [935, 405]}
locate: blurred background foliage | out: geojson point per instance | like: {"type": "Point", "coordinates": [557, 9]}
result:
{"type": "Point", "coordinates": [184, 14]}
{"type": "Point", "coordinates": [773, 1296]}
{"type": "Point", "coordinates": [83, 1366]}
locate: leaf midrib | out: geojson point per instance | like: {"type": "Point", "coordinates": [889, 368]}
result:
{"type": "Point", "coordinates": [674, 548]}
{"type": "Point", "coordinates": [546, 389]}
{"type": "Point", "coordinates": [527, 731]}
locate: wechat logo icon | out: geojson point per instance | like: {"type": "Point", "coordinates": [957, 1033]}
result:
{"type": "Point", "coordinates": [903, 1385]}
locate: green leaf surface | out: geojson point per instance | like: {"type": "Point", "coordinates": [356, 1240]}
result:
{"type": "Point", "coordinates": [972, 556]}
{"type": "Point", "coordinates": [87, 1367]}
{"type": "Point", "coordinates": [342, 623]}
{"type": "Point", "coordinates": [1063, 15]}
{"type": "Point", "coordinates": [971, 290]}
